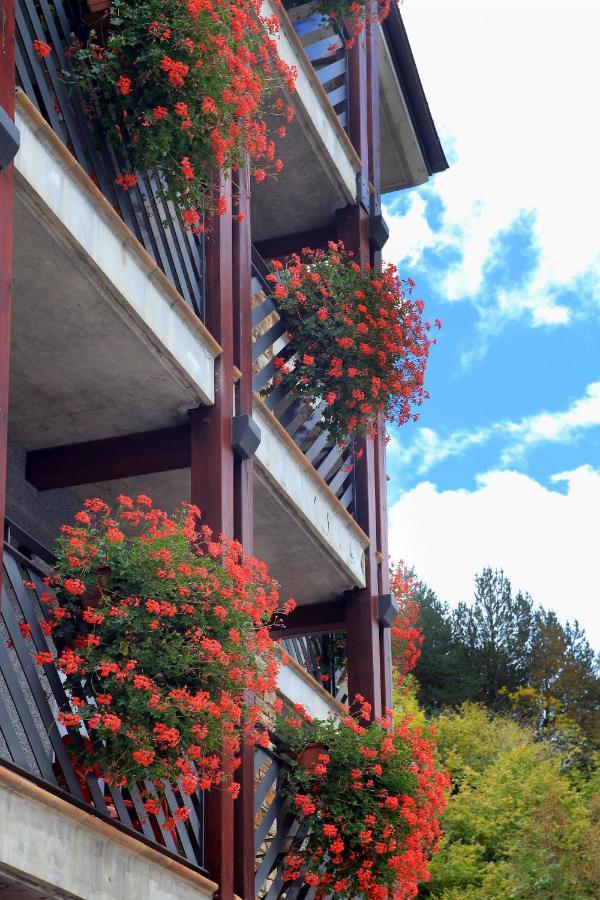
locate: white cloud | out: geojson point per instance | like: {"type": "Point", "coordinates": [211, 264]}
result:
{"type": "Point", "coordinates": [563, 426]}
{"type": "Point", "coordinates": [514, 82]}
{"type": "Point", "coordinates": [428, 448]}
{"type": "Point", "coordinates": [546, 541]}
{"type": "Point", "coordinates": [555, 427]}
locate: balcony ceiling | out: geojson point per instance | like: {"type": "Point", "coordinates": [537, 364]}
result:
{"type": "Point", "coordinates": [320, 164]}
{"type": "Point", "coordinates": [77, 371]}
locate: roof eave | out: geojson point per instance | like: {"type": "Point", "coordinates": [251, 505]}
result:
{"type": "Point", "coordinates": [410, 82]}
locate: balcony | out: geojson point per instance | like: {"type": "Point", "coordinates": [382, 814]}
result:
{"type": "Point", "coordinates": [110, 837]}
{"type": "Point", "coordinates": [177, 253]}
{"type": "Point", "coordinates": [97, 325]}
{"type": "Point", "coordinates": [299, 465]}
{"type": "Point", "coordinates": [107, 339]}
{"type": "Point", "coordinates": [316, 138]}
{"type": "Point", "coordinates": [107, 336]}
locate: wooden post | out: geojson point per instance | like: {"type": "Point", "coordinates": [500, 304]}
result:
{"type": "Point", "coordinates": [362, 625]}
{"type": "Point", "coordinates": [383, 580]}
{"type": "Point", "coordinates": [373, 56]}
{"type": "Point", "coordinates": [369, 645]}
{"type": "Point", "coordinates": [7, 100]}
{"type": "Point", "coordinates": [212, 487]}
{"type": "Point", "coordinates": [243, 508]}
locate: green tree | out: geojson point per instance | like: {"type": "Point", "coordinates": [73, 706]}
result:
{"type": "Point", "coordinates": [447, 670]}
{"type": "Point", "coordinates": [502, 632]}
{"type": "Point", "coordinates": [516, 826]}
{"type": "Point", "coordinates": [561, 696]}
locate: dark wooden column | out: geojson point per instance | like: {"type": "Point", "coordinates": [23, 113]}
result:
{"type": "Point", "coordinates": [383, 579]}
{"type": "Point", "coordinates": [7, 100]}
{"type": "Point", "coordinates": [369, 646]}
{"type": "Point", "coordinates": [212, 469]}
{"type": "Point", "coordinates": [362, 626]}
{"type": "Point", "coordinates": [373, 57]}
{"type": "Point", "coordinates": [243, 510]}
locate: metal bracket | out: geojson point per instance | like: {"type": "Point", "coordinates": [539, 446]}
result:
{"type": "Point", "coordinates": [362, 191]}
{"type": "Point", "coordinates": [387, 610]}
{"type": "Point", "coordinates": [10, 139]}
{"type": "Point", "coordinates": [245, 436]}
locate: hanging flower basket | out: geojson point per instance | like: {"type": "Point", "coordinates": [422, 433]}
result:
{"type": "Point", "coordinates": [369, 808]}
{"type": "Point", "coordinates": [355, 13]}
{"type": "Point", "coordinates": [97, 6]}
{"type": "Point", "coordinates": [358, 341]}
{"type": "Point", "coordinates": [158, 663]}
{"type": "Point", "coordinates": [185, 89]}
{"type": "Point", "coordinates": [97, 19]}
{"type": "Point", "coordinates": [100, 584]}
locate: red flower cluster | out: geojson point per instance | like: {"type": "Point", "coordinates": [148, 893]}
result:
{"type": "Point", "coordinates": [407, 635]}
{"type": "Point", "coordinates": [161, 630]}
{"type": "Point", "coordinates": [370, 806]}
{"type": "Point", "coordinates": [42, 49]}
{"type": "Point", "coordinates": [357, 340]}
{"type": "Point", "coordinates": [188, 86]}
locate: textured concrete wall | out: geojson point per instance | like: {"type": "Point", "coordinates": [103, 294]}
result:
{"type": "Point", "coordinates": [54, 844]}
{"type": "Point", "coordinates": [40, 513]}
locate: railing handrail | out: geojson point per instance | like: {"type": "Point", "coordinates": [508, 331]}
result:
{"type": "Point", "coordinates": [327, 55]}
{"type": "Point", "coordinates": [333, 464]}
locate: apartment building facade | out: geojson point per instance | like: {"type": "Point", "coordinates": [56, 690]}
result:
{"type": "Point", "coordinates": [132, 359]}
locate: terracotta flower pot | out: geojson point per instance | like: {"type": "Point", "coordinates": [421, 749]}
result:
{"type": "Point", "coordinates": [309, 756]}
{"type": "Point", "coordinates": [93, 597]}
{"type": "Point", "coordinates": [97, 18]}
{"type": "Point", "coordinates": [97, 6]}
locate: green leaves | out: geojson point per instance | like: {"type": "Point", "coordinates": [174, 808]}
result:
{"type": "Point", "coordinates": [515, 825]}
{"type": "Point", "coordinates": [171, 54]}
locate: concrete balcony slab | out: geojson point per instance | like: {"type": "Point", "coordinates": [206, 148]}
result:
{"type": "Point", "coordinates": [102, 343]}
{"type": "Point", "coordinates": [50, 847]}
{"type": "Point", "coordinates": [320, 163]}
{"type": "Point", "coordinates": [313, 545]}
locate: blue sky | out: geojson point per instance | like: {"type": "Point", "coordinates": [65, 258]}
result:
{"type": "Point", "coordinates": [503, 468]}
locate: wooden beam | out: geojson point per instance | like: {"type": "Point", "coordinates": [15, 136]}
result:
{"type": "Point", "coordinates": [278, 247]}
{"type": "Point", "coordinates": [383, 579]}
{"type": "Point", "coordinates": [212, 485]}
{"type": "Point", "coordinates": [358, 112]}
{"type": "Point", "coordinates": [109, 458]}
{"type": "Point", "coordinates": [362, 624]}
{"type": "Point", "coordinates": [7, 100]}
{"type": "Point", "coordinates": [315, 618]}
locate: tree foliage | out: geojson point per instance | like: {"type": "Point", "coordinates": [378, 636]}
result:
{"type": "Point", "coordinates": [516, 825]}
{"type": "Point", "coordinates": [511, 656]}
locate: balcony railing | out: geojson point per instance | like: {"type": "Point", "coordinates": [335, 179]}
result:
{"type": "Point", "coordinates": [31, 738]}
{"type": "Point", "coordinates": [270, 339]}
{"type": "Point", "coordinates": [179, 253]}
{"type": "Point", "coordinates": [324, 43]}
{"type": "Point", "coordinates": [324, 658]}
{"type": "Point", "coordinates": [275, 828]}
